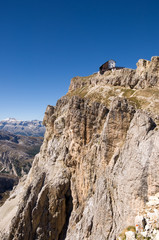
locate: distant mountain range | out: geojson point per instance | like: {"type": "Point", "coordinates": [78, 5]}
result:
{"type": "Point", "coordinates": [32, 128]}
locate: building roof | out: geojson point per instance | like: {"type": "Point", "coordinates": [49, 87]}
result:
{"type": "Point", "coordinates": [107, 62]}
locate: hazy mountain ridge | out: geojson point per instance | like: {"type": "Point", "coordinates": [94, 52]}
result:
{"type": "Point", "coordinates": [98, 164]}
{"type": "Point", "coordinates": [33, 128]}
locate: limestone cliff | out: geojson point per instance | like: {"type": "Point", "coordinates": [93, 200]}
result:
{"type": "Point", "coordinates": [98, 163]}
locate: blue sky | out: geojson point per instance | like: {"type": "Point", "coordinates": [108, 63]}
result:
{"type": "Point", "coordinates": [44, 43]}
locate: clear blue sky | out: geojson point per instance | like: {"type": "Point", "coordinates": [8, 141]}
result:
{"type": "Point", "coordinates": [44, 43]}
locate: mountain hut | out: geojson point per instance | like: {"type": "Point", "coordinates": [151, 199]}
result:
{"type": "Point", "coordinates": [107, 66]}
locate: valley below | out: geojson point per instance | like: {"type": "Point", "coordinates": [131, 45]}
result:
{"type": "Point", "coordinates": [16, 156]}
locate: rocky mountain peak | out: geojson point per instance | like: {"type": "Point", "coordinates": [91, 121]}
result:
{"type": "Point", "coordinates": [98, 164]}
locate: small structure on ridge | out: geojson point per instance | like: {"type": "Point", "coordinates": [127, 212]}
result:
{"type": "Point", "coordinates": [107, 66]}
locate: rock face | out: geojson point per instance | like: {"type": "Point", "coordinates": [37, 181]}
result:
{"type": "Point", "coordinates": [146, 222]}
{"type": "Point", "coordinates": [26, 128]}
{"type": "Point", "coordinates": [96, 168]}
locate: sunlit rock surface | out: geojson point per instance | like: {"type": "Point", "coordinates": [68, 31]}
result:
{"type": "Point", "coordinates": [98, 164]}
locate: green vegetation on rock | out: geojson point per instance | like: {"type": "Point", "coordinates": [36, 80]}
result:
{"type": "Point", "coordinates": [146, 98]}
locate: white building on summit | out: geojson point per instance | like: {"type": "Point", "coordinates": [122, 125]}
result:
{"type": "Point", "coordinates": [107, 66]}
